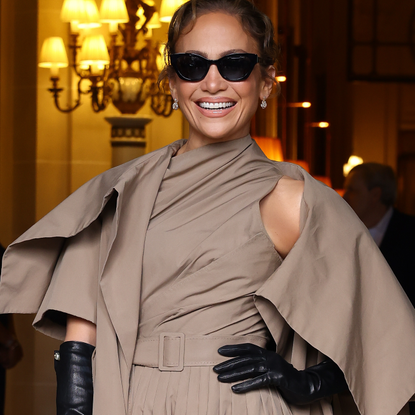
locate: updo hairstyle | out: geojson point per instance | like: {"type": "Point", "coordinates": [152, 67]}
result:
{"type": "Point", "coordinates": [256, 23]}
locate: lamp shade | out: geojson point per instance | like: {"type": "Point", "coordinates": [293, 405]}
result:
{"type": "Point", "coordinates": [72, 10]}
{"type": "Point", "coordinates": [53, 53]}
{"type": "Point", "coordinates": [113, 11]}
{"type": "Point", "coordinates": [154, 22]}
{"type": "Point", "coordinates": [83, 12]}
{"type": "Point", "coordinates": [167, 9]}
{"type": "Point", "coordinates": [90, 17]}
{"type": "Point", "coordinates": [94, 51]}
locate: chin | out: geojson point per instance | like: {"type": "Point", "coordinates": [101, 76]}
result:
{"type": "Point", "coordinates": [223, 134]}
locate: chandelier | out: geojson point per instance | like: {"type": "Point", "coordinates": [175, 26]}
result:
{"type": "Point", "coordinates": [122, 72]}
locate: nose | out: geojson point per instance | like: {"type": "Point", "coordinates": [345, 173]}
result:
{"type": "Point", "coordinates": [213, 81]}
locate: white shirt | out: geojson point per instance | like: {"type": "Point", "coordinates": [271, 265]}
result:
{"type": "Point", "coordinates": [378, 231]}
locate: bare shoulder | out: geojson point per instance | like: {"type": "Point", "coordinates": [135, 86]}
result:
{"type": "Point", "coordinates": [280, 211]}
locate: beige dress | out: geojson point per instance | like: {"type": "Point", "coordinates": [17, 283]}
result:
{"type": "Point", "coordinates": [203, 262]}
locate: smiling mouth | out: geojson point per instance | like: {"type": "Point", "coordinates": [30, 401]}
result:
{"type": "Point", "coordinates": [215, 105]}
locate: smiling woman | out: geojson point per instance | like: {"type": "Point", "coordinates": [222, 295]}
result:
{"type": "Point", "coordinates": [217, 107]}
{"type": "Point", "coordinates": [158, 271]}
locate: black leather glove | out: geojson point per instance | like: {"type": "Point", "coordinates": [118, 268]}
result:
{"type": "Point", "coordinates": [266, 368]}
{"type": "Point", "coordinates": [73, 369]}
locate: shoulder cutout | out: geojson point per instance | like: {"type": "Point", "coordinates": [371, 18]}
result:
{"type": "Point", "coordinates": [280, 211]}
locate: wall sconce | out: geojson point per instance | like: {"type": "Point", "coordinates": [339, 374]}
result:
{"type": "Point", "coordinates": [281, 78]}
{"type": "Point", "coordinates": [352, 162]}
{"type": "Point", "coordinates": [120, 72]}
{"type": "Point", "coordinates": [305, 104]}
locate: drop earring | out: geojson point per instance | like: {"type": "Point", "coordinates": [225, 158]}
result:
{"type": "Point", "coordinates": [263, 103]}
{"type": "Point", "coordinates": [175, 104]}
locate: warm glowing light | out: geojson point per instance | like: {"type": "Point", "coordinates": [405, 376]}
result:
{"type": "Point", "coordinates": [305, 104]}
{"type": "Point", "coordinates": [167, 9]}
{"type": "Point", "coordinates": [281, 78]}
{"type": "Point", "coordinates": [141, 18]}
{"type": "Point", "coordinates": [90, 19]}
{"type": "Point", "coordinates": [352, 162]}
{"type": "Point", "coordinates": [160, 58]}
{"type": "Point", "coordinates": [94, 52]}
{"type": "Point", "coordinates": [80, 13]}
{"type": "Point", "coordinates": [113, 12]}
{"type": "Point", "coordinates": [154, 22]}
{"type": "Point", "coordinates": [53, 55]}
{"type": "Point", "coordinates": [321, 124]}
{"type": "Point", "coordinates": [72, 10]}
{"type": "Point", "coordinates": [271, 147]}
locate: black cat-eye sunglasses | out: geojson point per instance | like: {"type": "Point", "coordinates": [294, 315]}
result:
{"type": "Point", "coordinates": [193, 68]}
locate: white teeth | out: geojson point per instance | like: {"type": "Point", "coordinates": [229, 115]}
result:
{"type": "Point", "coordinates": [216, 105]}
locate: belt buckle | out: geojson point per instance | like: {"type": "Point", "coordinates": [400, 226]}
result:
{"type": "Point", "coordinates": [179, 367]}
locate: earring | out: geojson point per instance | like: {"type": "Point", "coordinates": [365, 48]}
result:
{"type": "Point", "coordinates": [175, 104]}
{"type": "Point", "coordinates": [263, 103]}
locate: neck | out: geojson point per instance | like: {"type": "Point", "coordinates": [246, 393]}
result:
{"type": "Point", "coordinates": [195, 142]}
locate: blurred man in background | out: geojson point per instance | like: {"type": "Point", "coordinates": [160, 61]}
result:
{"type": "Point", "coordinates": [371, 189]}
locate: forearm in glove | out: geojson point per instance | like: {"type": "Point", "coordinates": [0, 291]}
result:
{"type": "Point", "coordinates": [259, 368]}
{"type": "Point", "coordinates": [73, 369]}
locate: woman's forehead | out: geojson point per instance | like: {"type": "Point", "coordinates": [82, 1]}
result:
{"type": "Point", "coordinates": [215, 33]}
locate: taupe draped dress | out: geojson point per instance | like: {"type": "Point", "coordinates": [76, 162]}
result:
{"type": "Point", "coordinates": [206, 253]}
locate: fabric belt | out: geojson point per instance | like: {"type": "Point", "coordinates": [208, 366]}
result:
{"type": "Point", "coordinates": [173, 351]}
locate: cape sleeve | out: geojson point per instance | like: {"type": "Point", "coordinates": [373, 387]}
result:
{"type": "Point", "coordinates": [337, 292]}
{"type": "Point", "coordinates": [74, 286]}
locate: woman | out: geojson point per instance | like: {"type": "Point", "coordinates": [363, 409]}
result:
{"type": "Point", "coordinates": [152, 267]}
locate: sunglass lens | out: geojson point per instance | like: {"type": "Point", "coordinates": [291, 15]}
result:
{"type": "Point", "coordinates": [190, 67]}
{"type": "Point", "coordinates": [237, 67]}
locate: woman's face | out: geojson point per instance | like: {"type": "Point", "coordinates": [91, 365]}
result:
{"type": "Point", "coordinates": [213, 36]}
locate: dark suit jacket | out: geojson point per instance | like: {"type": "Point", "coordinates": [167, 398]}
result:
{"type": "Point", "coordinates": [398, 247]}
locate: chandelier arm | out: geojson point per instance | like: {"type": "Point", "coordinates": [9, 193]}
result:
{"type": "Point", "coordinates": [55, 90]}
{"type": "Point", "coordinates": [98, 104]}
{"type": "Point", "coordinates": [74, 47]}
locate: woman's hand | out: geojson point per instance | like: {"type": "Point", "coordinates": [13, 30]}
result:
{"type": "Point", "coordinates": [73, 367]}
{"type": "Point", "coordinates": [259, 368]}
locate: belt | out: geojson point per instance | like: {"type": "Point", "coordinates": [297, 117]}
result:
{"type": "Point", "coordinates": [173, 351]}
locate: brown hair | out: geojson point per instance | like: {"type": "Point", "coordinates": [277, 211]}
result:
{"type": "Point", "coordinates": [256, 23]}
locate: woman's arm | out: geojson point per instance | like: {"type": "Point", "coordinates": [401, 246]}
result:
{"type": "Point", "coordinates": [73, 366]}
{"type": "Point", "coordinates": [280, 211]}
{"type": "Point", "coordinates": [78, 329]}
